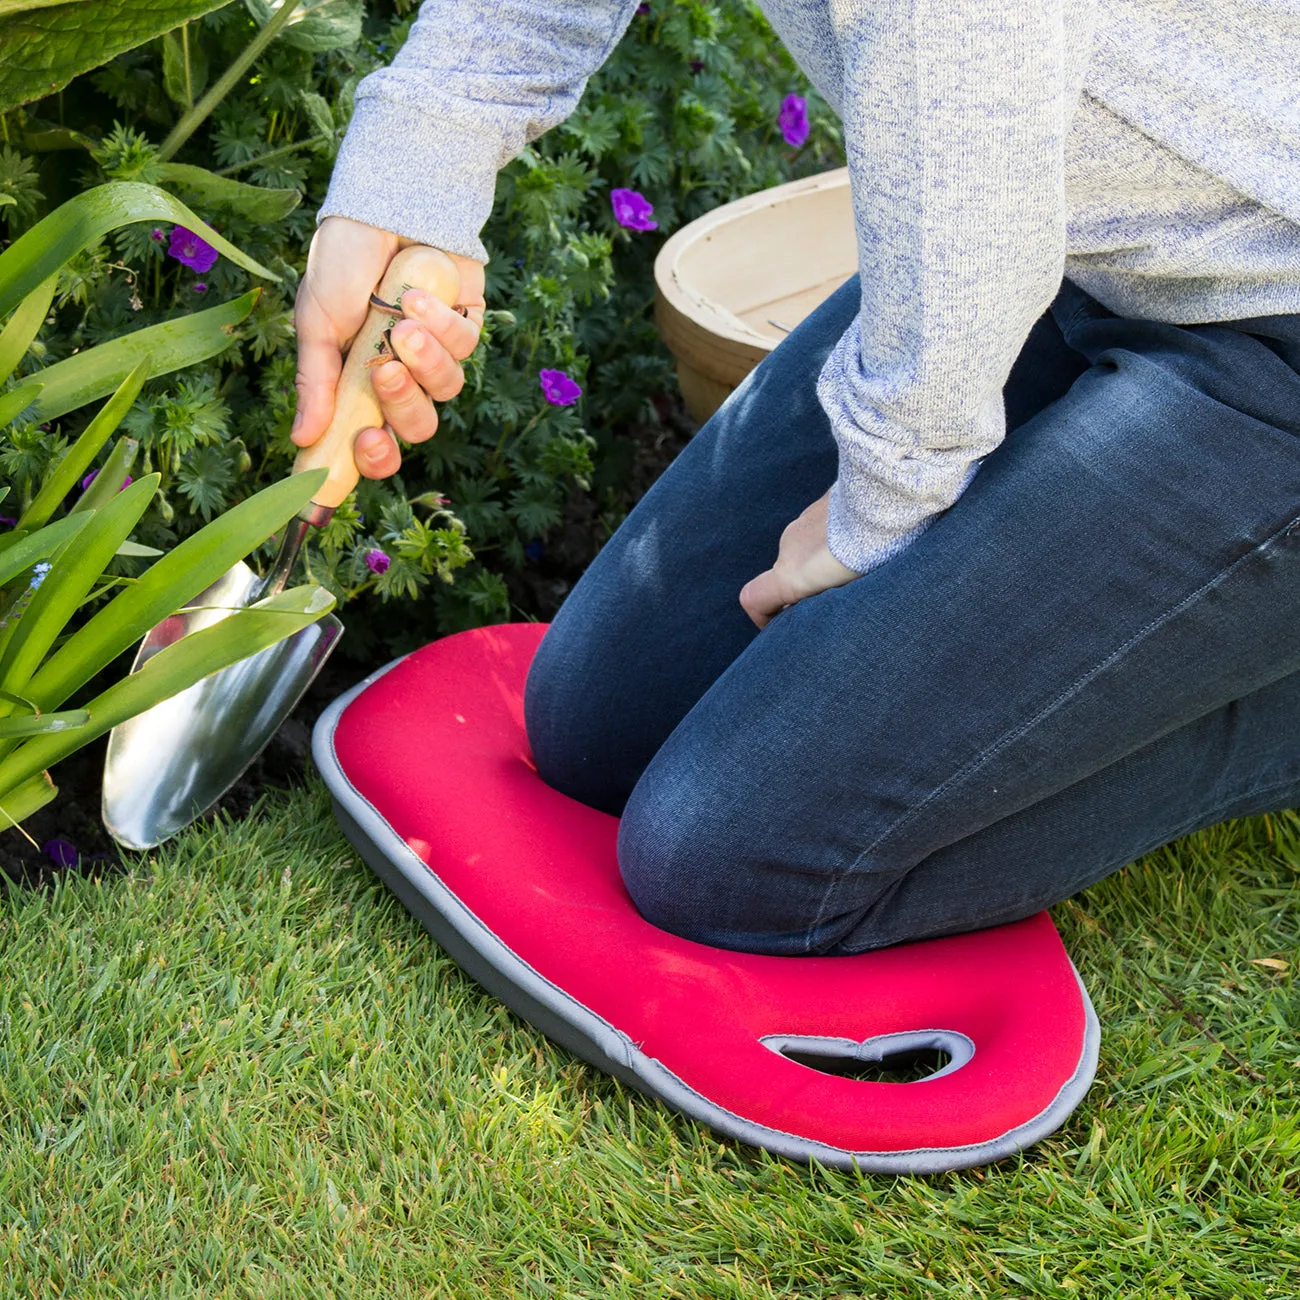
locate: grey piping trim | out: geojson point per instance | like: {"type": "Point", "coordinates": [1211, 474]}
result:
{"type": "Point", "coordinates": [483, 956]}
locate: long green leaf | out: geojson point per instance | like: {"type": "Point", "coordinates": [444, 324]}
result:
{"type": "Point", "coordinates": [15, 402]}
{"type": "Point", "coordinates": [24, 325]}
{"type": "Point", "coordinates": [79, 222]}
{"type": "Point", "coordinates": [34, 548]}
{"type": "Point", "coordinates": [173, 345]}
{"type": "Point", "coordinates": [111, 479]}
{"type": "Point", "coordinates": [45, 46]}
{"type": "Point", "coordinates": [177, 578]}
{"type": "Point", "coordinates": [39, 725]}
{"type": "Point", "coordinates": [251, 201]}
{"type": "Point", "coordinates": [74, 573]}
{"type": "Point", "coordinates": [28, 797]}
{"type": "Point", "coordinates": [76, 460]}
{"type": "Point", "coordinates": [173, 670]}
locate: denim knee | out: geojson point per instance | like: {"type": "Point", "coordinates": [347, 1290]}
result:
{"type": "Point", "coordinates": [567, 732]}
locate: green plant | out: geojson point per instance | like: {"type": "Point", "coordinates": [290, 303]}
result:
{"type": "Point", "coordinates": [500, 511]}
{"type": "Point", "coordinates": [51, 569]}
{"type": "Point", "coordinates": [49, 573]}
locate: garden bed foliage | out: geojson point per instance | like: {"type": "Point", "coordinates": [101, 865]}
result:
{"type": "Point", "coordinates": [495, 516]}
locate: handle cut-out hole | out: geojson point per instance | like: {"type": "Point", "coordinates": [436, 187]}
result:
{"type": "Point", "coordinates": [897, 1067]}
{"type": "Point", "coordinates": [912, 1056]}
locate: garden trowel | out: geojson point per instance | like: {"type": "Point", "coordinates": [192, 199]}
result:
{"type": "Point", "coordinates": [170, 764]}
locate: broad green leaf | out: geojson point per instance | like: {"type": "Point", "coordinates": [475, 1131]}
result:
{"type": "Point", "coordinates": [185, 66]}
{"type": "Point", "coordinates": [24, 325]}
{"type": "Point", "coordinates": [40, 724]}
{"type": "Point", "coordinates": [251, 201]}
{"type": "Point", "coordinates": [137, 551]}
{"type": "Point", "coordinates": [110, 479]}
{"type": "Point", "coordinates": [46, 45]}
{"type": "Point", "coordinates": [173, 345]}
{"type": "Point", "coordinates": [35, 547]}
{"type": "Point", "coordinates": [8, 7]}
{"type": "Point", "coordinates": [76, 460]}
{"type": "Point", "coordinates": [73, 574]}
{"type": "Point", "coordinates": [52, 139]}
{"type": "Point", "coordinates": [79, 222]}
{"type": "Point", "coordinates": [15, 402]}
{"type": "Point", "coordinates": [318, 111]}
{"type": "Point", "coordinates": [31, 795]}
{"type": "Point", "coordinates": [173, 670]}
{"type": "Point", "coordinates": [177, 578]}
{"type": "Point", "coordinates": [317, 25]}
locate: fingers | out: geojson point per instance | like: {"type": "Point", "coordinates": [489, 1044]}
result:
{"type": "Point", "coordinates": [376, 453]}
{"type": "Point", "coordinates": [435, 369]}
{"type": "Point", "coordinates": [456, 332]}
{"type": "Point", "coordinates": [405, 403]}
{"type": "Point", "coordinates": [764, 597]}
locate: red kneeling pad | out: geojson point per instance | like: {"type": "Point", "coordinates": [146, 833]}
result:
{"type": "Point", "coordinates": [432, 779]}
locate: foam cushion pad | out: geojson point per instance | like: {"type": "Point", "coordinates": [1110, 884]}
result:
{"type": "Point", "coordinates": [432, 779]}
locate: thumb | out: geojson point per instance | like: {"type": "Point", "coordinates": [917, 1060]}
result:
{"type": "Point", "coordinates": [764, 597]}
{"type": "Point", "coordinates": [320, 363]}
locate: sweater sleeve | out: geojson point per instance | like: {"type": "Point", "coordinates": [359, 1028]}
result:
{"type": "Point", "coordinates": [475, 82]}
{"type": "Point", "coordinates": [955, 117]}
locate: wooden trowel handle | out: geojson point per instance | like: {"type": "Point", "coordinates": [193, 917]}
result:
{"type": "Point", "coordinates": [355, 405]}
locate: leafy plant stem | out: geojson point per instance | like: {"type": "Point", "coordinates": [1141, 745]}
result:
{"type": "Point", "coordinates": [226, 82]}
{"type": "Point", "coordinates": [281, 152]}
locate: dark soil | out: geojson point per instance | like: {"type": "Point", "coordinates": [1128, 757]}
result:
{"type": "Point", "coordinates": [67, 834]}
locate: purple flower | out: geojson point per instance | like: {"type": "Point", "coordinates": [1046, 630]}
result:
{"type": "Point", "coordinates": [632, 210]}
{"type": "Point", "coordinates": [156, 234]}
{"type": "Point", "coordinates": [9, 523]}
{"type": "Point", "coordinates": [697, 66]}
{"type": "Point", "coordinates": [558, 388]}
{"type": "Point", "coordinates": [377, 561]}
{"type": "Point", "coordinates": [189, 250]}
{"type": "Point", "coordinates": [793, 120]}
{"type": "Point", "coordinates": [535, 550]}
{"type": "Point", "coordinates": [199, 287]}
{"type": "Point", "coordinates": [643, 9]}
{"type": "Point", "coordinates": [63, 853]}
{"type": "Point", "coordinates": [90, 478]}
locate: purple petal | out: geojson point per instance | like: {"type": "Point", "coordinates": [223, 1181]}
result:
{"type": "Point", "coordinates": [793, 120]}
{"type": "Point", "coordinates": [377, 561]}
{"type": "Point", "coordinates": [63, 853]}
{"type": "Point", "coordinates": [558, 388]}
{"type": "Point", "coordinates": [189, 250]}
{"type": "Point", "coordinates": [632, 210]}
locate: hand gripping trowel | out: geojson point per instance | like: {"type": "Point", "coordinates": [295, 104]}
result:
{"type": "Point", "coordinates": [170, 764]}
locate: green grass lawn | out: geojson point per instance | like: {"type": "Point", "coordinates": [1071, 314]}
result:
{"type": "Point", "coordinates": [242, 1069]}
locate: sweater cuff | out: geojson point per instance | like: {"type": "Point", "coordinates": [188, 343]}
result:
{"type": "Point", "coordinates": [860, 532]}
{"type": "Point", "coordinates": [400, 171]}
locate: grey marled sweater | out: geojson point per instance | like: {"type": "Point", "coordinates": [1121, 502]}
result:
{"type": "Point", "coordinates": [1148, 149]}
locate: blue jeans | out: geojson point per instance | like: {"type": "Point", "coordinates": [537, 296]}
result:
{"type": "Point", "coordinates": [1095, 651]}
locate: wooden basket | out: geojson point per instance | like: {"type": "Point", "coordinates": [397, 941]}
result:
{"type": "Point", "coordinates": [732, 284]}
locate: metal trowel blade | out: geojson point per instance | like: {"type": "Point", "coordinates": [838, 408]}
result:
{"type": "Point", "coordinates": [169, 765]}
